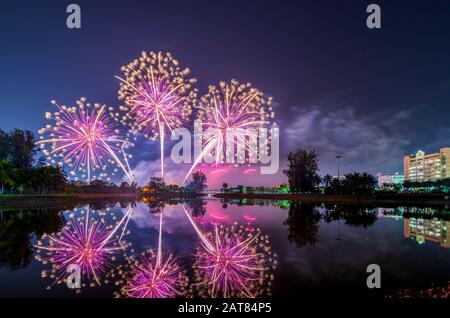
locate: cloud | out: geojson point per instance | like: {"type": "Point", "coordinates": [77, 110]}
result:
{"type": "Point", "coordinates": [367, 143]}
{"type": "Point", "coordinates": [145, 169]}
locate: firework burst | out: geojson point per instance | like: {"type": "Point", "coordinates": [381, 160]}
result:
{"type": "Point", "coordinates": [86, 138]}
{"type": "Point", "coordinates": [153, 275]}
{"type": "Point", "coordinates": [158, 96]}
{"type": "Point", "coordinates": [232, 262]}
{"type": "Point", "coordinates": [229, 110]}
{"type": "Point", "coordinates": [91, 245]}
{"type": "Point", "coordinates": [148, 279]}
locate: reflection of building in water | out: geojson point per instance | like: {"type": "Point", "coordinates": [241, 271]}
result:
{"type": "Point", "coordinates": [434, 230]}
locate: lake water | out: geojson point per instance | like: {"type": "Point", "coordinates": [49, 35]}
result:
{"type": "Point", "coordinates": [280, 249]}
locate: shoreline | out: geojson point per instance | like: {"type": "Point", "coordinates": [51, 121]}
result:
{"type": "Point", "coordinates": [427, 199]}
{"type": "Point", "coordinates": [59, 200]}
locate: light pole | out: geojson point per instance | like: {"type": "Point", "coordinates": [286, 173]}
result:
{"type": "Point", "coordinates": [338, 157]}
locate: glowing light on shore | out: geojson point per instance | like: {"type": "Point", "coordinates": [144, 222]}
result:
{"type": "Point", "coordinates": [233, 262]}
{"type": "Point", "coordinates": [158, 96]}
{"type": "Point", "coordinates": [250, 218]}
{"type": "Point", "coordinates": [249, 171]}
{"type": "Point", "coordinates": [217, 171]}
{"type": "Point", "coordinates": [232, 109]}
{"type": "Point", "coordinates": [86, 138]}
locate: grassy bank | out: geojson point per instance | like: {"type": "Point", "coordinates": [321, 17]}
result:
{"type": "Point", "coordinates": [376, 199]}
{"type": "Point", "coordinates": [59, 200]}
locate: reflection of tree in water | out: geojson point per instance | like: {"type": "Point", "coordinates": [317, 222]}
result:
{"type": "Point", "coordinates": [303, 219]}
{"type": "Point", "coordinates": [156, 206]}
{"type": "Point", "coordinates": [197, 206]}
{"type": "Point", "coordinates": [352, 215]}
{"type": "Point", "coordinates": [17, 229]}
{"type": "Point", "coordinates": [303, 222]}
{"type": "Point", "coordinates": [101, 205]}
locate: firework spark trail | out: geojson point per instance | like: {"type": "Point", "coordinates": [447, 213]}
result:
{"type": "Point", "coordinates": [157, 96]}
{"type": "Point", "coordinates": [232, 109]}
{"type": "Point", "coordinates": [155, 276]}
{"type": "Point", "coordinates": [88, 244]}
{"type": "Point", "coordinates": [86, 138]}
{"type": "Point", "coordinates": [231, 262]}
{"type": "Point", "coordinates": [148, 280]}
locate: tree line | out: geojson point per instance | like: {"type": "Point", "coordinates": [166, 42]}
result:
{"type": "Point", "coordinates": [303, 177]}
{"type": "Point", "coordinates": [20, 173]}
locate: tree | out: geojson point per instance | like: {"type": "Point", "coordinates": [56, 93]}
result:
{"type": "Point", "coordinates": [8, 174]}
{"type": "Point", "coordinates": [302, 171]}
{"type": "Point", "coordinates": [198, 183]}
{"type": "Point", "coordinates": [225, 187]}
{"type": "Point", "coordinates": [124, 185]}
{"type": "Point", "coordinates": [359, 183]}
{"type": "Point", "coordinates": [156, 184]}
{"type": "Point", "coordinates": [5, 148]}
{"type": "Point", "coordinates": [327, 181]}
{"type": "Point", "coordinates": [22, 148]}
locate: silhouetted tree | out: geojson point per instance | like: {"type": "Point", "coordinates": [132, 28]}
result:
{"type": "Point", "coordinates": [8, 175]}
{"type": "Point", "coordinates": [224, 187]}
{"type": "Point", "coordinates": [359, 183]}
{"type": "Point", "coordinates": [198, 183]}
{"type": "Point", "coordinates": [22, 148]}
{"type": "Point", "coordinates": [302, 171]}
{"type": "Point", "coordinates": [157, 184]}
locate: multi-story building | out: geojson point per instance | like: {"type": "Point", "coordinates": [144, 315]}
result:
{"type": "Point", "coordinates": [422, 230]}
{"type": "Point", "coordinates": [389, 179]}
{"type": "Point", "coordinates": [427, 167]}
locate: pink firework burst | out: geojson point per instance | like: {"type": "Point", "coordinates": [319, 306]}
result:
{"type": "Point", "coordinates": [232, 262]}
{"type": "Point", "coordinates": [91, 245]}
{"type": "Point", "coordinates": [158, 96]}
{"type": "Point", "coordinates": [232, 113]}
{"type": "Point", "coordinates": [148, 279]}
{"type": "Point", "coordinates": [86, 138]}
{"type": "Point", "coordinates": [238, 265]}
{"type": "Point", "coordinates": [154, 275]}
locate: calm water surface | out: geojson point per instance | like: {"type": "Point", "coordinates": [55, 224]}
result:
{"type": "Point", "coordinates": [320, 250]}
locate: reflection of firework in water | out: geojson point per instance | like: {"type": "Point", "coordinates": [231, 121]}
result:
{"type": "Point", "coordinates": [233, 262]}
{"type": "Point", "coordinates": [86, 138]}
{"type": "Point", "coordinates": [158, 96]}
{"type": "Point", "coordinates": [153, 275]}
{"type": "Point", "coordinates": [230, 110]}
{"type": "Point", "coordinates": [147, 279]}
{"type": "Point", "coordinates": [92, 245]}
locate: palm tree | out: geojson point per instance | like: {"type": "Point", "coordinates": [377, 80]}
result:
{"type": "Point", "coordinates": [7, 174]}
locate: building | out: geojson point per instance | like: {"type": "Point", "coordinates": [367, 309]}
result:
{"type": "Point", "coordinates": [422, 230]}
{"type": "Point", "coordinates": [389, 179]}
{"type": "Point", "coordinates": [427, 167]}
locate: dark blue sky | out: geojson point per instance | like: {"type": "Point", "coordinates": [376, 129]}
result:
{"type": "Point", "coordinates": [371, 95]}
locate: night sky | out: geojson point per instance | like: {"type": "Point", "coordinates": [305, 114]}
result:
{"type": "Point", "coordinates": [371, 96]}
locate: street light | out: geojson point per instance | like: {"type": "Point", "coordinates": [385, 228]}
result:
{"type": "Point", "coordinates": [338, 157]}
